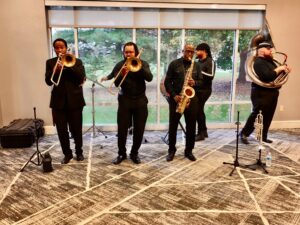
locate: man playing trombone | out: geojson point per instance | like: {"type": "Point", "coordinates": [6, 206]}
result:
{"type": "Point", "coordinates": [130, 75]}
{"type": "Point", "coordinates": [66, 74]}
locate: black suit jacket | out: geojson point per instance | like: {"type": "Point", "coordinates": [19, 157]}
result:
{"type": "Point", "coordinates": [68, 94]}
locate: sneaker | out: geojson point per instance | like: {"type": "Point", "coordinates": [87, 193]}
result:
{"type": "Point", "coordinates": [199, 137]}
{"type": "Point", "coordinates": [80, 157]}
{"type": "Point", "coordinates": [136, 159]}
{"type": "Point", "coordinates": [67, 159]}
{"type": "Point", "coordinates": [190, 156]}
{"type": "Point", "coordinates": [267, 140]}
{"type": "Point", "coordinates": [244, 139]}
{"type": "Point", "coordinates": [119, 159]}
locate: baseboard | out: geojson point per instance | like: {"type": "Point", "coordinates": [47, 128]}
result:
{"type": "Point", "coordinates": [285, 124]}
{"type": "Point", "coordinates": [113, 127]}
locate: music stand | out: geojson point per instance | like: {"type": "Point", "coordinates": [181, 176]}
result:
{"type": "Point", "coordinates": [236, 161]}
{"type": "Point", "coordinates": [37, 152]}
{"type": "Point", "coordinates": [94, 127]}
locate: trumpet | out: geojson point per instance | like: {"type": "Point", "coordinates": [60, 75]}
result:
{"type": "Point", "coordinates": [133, 64]}
{"type": "Point", "coordinates": [63, 60]}
{"type": "Point", "coordinates": [258, 125]}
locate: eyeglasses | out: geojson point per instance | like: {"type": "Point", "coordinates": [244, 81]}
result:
{"type": "Point", "coordinates": [189, 51]}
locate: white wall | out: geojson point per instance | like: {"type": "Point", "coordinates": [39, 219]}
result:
{"type": "Point", "coordinates": [24, 50]}
{"type": "Point", "coordinates": [23, 54]}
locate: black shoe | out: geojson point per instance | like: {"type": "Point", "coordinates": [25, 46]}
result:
{"type": "Point", "coordinates": [80, 157]}
{"type": "Point", "coordinates": [119, 159]}
{"type": "Point", "coordinates": [205, 134]}
{"type": "Point", "coordinates": [135, 159]}
{"type": "Point", "coordinates": [244, 139]}
{"type": "Point", "coordinates": [199, 137]}
{"type": "Point", "coordinates": [170, 156]}
{"type": "Point", "coordinates": [190, 156]}
{"type": "Point", "coordinates": [67, 159]}
{"type": "Point", "coordinates": [267, 140]}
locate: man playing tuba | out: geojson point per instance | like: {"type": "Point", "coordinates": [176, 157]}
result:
{"type": "Point", "coordinates": [263, 98]}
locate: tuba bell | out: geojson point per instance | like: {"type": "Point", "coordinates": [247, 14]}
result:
{"type": "Point", "coordinates": [264, 35]}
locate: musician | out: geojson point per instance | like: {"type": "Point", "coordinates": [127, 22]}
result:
{"type": "Point", "coordinates": [67, 101]}
{"type": "Point", "coordinates": [132, 103]}
{"type": "Point", "coordinates": [204, 89]}
{"type": "Point", "coordinates": [174, 83]}
{"type": "Point", "coordinates": [263, 98]}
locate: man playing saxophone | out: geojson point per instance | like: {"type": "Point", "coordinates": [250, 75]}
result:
{"type": "Point", "coordinates": [176, 82]}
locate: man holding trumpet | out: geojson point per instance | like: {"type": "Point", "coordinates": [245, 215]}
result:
{"type": "Point", "coordinates": [130, 74]}
{"type": "Point", "coordinates": [66, 75]}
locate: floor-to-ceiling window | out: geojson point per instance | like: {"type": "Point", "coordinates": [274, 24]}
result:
{"type": "Point", "coordinates": [98, 42]}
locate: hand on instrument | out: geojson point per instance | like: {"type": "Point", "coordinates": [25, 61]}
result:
{"type": "Point", "coordinates": [124, 71]}
{"type": "Point", "coordinates": [177, 98]}
{"type": "Point", "coordinates": [58, 68]}
{"type": "Point", "coordinates": [283, 68]}
{"type": "Point", "coordinates": [103, 79]}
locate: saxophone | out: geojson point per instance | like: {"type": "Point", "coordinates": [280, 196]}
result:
{"type": "Point", "coordinates": [187, 92]}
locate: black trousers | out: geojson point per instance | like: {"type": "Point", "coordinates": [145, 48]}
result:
{"type": "Point", "coordinates": [266, 101]}
{"type": "Point", "coordinates": [137, 111]}
{"type": "Point", "coordinates": [190, 115]}
{"type": "Point", "coordinates": [203, 96]}
{"type": "Point", "coordinates": [71, 118]}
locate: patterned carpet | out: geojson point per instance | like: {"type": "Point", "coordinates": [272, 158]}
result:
{"type": "Point", "coordinates": [95, 191]}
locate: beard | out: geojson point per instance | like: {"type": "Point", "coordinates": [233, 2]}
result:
{"type": "Point", "coordinates": [269, 57]}
{"type": "Point", "coordinates": [200, 56]}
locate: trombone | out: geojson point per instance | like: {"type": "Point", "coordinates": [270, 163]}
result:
{"type": "Point", "coordinates": [133, 64]}
{"type": "Point", "coordinates": [63, 60]}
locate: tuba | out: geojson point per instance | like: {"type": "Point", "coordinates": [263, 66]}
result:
{"type": "Point", "coordinates": [264, 35]}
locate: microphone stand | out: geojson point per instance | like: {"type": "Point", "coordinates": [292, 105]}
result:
{"type": "Point", "coordinates": [236, 161]}
{"type": "Point", "coordinates": [37, 152]}
{"type": "Point", "coordinates": [94, 127]}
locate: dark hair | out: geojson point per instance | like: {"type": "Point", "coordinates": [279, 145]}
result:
{"type": "Point", "coordinates": [132, 44]}
{"type": "Point", "coordinates": [205, 47]}
{"type": "Point", "coordinates": [60, 39]}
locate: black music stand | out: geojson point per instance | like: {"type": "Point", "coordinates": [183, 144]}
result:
{"type": "Point", "coordinates": [236, 161]}
{"type": "Point", "coordinates": [37, 152]}
{"type": "Point", "coordinates": [259, 163]}
{"type": "Point", "coordinates": [94, 127]}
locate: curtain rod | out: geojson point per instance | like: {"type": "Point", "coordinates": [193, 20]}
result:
{"type": "Point", "coordinates": [155, 5]}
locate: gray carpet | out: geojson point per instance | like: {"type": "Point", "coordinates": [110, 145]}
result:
{"type": "Point", "coordinates": [95, 191]}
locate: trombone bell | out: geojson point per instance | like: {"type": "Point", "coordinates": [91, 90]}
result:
{"type": "Point", "coordinates": [69, 60]}
{"type": "Point", "coordinates": [134, 64]}
{"type": "Point", "coordinates": [66, 60]}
